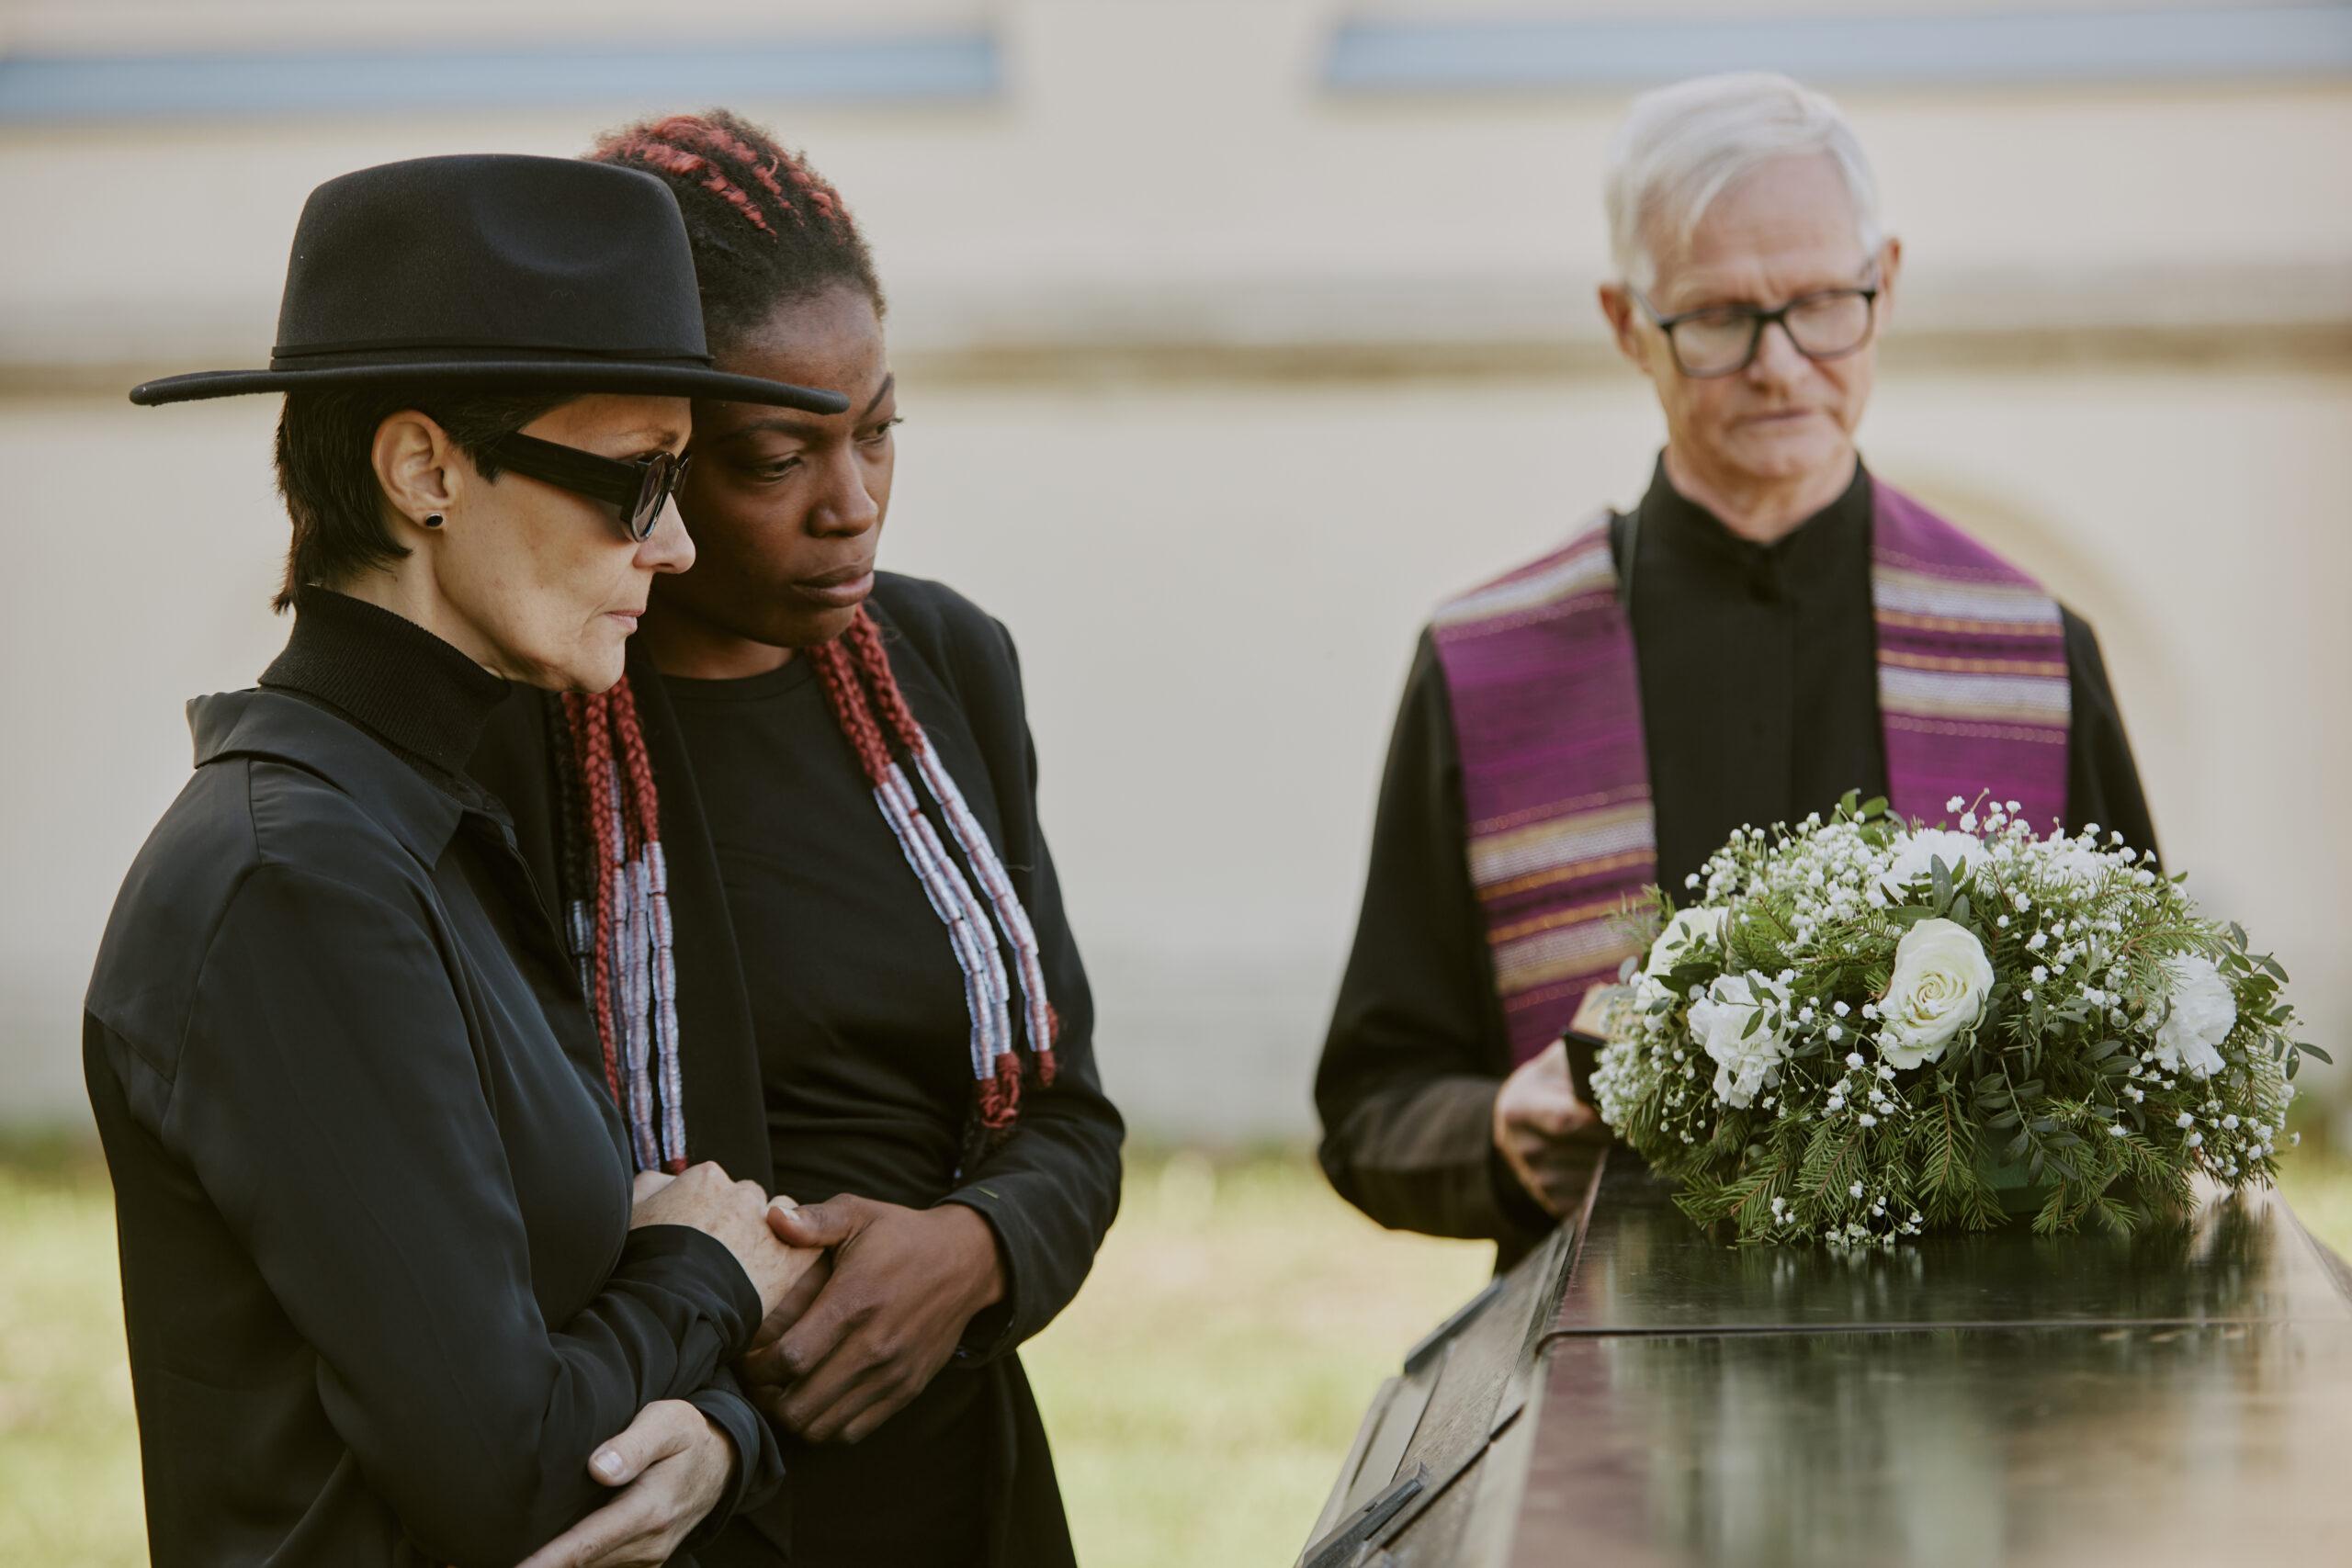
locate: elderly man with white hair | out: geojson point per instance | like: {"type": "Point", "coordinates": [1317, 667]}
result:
{"type": "Point", "coordinates": [1769, 628]}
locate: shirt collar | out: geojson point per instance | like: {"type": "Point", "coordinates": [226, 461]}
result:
{"type": "Point", "coordinates": [1696, 537]}
{"type": "Point", "coordinates": [279, 726]}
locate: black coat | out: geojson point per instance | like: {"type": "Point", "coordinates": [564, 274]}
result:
{"type": "Point", "coordinates": [382, 1297]}
{"type": "Point", "coordinates": [1050, 1191]}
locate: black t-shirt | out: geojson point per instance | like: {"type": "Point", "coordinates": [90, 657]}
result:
{"type": "Point", "coordinates": [857, 1008]}
{"type": "Point", "coordinates": [856, 1003]}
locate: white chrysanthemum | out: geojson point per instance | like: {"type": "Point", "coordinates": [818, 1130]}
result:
{"type": "Point", "coordinates": [1746, 1053]}
{"type": "Point", "coordinates": [2199, 1012]}
{"type": "Point", "coordinates": [1942, 977]}
{"type": "Point", "coordinates": [1915, 855]}
{"type": "Point", "coordinates": [1683, 937]}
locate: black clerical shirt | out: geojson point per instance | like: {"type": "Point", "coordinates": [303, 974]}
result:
{"type": "Point", "coordinates": [1758, 665]}
{"type": "Point", "coordinates": [1760, 703]}
{"type": "Point", "coordinates": [382, 1296]}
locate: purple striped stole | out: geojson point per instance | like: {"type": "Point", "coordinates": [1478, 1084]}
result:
{"type": "Point", "coordinates": [1547, 716]}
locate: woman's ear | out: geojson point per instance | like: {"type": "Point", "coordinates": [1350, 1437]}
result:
{"type": "Point", "coordinates": [1890, 265]}
{"type": "Point", "coordinates": [420, 468]}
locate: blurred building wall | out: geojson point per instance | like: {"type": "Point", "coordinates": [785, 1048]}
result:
{"type": "Point", "coordinates": [1223, 359]}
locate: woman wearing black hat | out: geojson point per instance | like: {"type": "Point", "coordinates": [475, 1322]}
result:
{"type": "Point", "coordinates": [387, 1292]}
{"type": "Point", "coordinates": [877, 992]}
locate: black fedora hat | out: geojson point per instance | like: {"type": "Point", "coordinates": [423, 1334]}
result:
{"type": "Point", "coordinates": [495, 272]}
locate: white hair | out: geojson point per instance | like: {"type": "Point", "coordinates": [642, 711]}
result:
{"type": "Point", "coordinates": [1684, 145]}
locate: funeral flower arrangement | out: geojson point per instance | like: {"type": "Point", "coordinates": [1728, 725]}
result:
{"type": "Point", "coordinates": [1863, 1028]}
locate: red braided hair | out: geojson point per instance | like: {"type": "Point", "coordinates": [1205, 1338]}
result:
{"type": "Point", "coordinates": [686, 166]}
{"type": "Point", "coordinates": [593, 742]}
{"type": "Point", "coordinates": [764, 225]}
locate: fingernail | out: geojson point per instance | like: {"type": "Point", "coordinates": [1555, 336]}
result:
{"type": "Point", "coordinates": [608, 1464]}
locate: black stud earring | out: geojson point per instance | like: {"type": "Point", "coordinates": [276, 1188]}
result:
{"type": "Point", "coordinates": [432, 520]}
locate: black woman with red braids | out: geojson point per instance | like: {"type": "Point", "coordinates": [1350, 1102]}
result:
{"type": "Point", "coordinates": [803, 879]}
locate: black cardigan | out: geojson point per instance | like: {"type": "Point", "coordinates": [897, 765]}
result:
{"type": "Point", "coordinates": [1048, 1193]}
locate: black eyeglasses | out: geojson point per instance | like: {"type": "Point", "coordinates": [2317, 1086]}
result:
{"type": "Point", "coordinates": [639, 486]}
{"type": "Point", "coordinates": [1722, 339]}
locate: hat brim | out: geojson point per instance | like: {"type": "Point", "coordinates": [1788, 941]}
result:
{"type": "Point", "coordinates": [520, 375]}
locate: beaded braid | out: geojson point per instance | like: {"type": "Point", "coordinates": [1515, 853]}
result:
{"type": "Point", "coordinates": [865, 641]}
{"type": "Point", "coordinates": [617, 909]}
{"type": "Point", "coordinates": [848, 667]}
{"type": "Point", "coordinates": [657, 971]}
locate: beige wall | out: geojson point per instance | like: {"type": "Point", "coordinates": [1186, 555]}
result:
{"type": "Point", "coordinates": [1131, 300]}
{"type": "Point", "coordinates": [1215, 587]}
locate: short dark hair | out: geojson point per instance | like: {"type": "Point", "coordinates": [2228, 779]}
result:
{"type": "Point", "coordinates": [326, 468]}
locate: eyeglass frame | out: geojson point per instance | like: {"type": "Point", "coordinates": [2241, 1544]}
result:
{"type": "Point", "coordinates": [1758, 320]}
{"type": "Point", "coordinates": [639, 486]}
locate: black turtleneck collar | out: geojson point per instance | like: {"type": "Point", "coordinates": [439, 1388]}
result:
{"type": "Point", "coordinates": [408, 688]}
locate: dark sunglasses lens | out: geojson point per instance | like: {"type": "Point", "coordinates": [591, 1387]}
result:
{"type": "Point", "coordinates": [653, 490]}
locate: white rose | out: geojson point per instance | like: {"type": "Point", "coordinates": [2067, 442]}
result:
{"type": "Point", "coordinates": [1941, 977]}
{"type": "Point", "coordinates": [1916, 852]}
{"type": "Point", "coordinates": [2199, 1012]}
{"type": "Point", "coordinates": [1682, 933]}
{"type": "Point", "coordinates": [1745, 1063]}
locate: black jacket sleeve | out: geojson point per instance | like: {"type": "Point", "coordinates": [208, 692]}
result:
{"type": "Point", "coordinates": [2102, 780]}
{"type": "Point", "coordinates": [1051, 1189]}
{"type": "Point", "coordinates": [759, 1457]}
{"type": "Point", "coordinates": [350, 1147]}
{"type": "Point", "coordinates": [1418, 1048]}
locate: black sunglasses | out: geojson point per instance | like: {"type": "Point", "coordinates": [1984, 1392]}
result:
{"type": "Point", "coordinates": [639, 486]}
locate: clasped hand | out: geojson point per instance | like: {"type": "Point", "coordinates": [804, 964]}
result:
{"type": "Point", "coordinates": [869, 1331]}
{"type": "Point", "coordinates": [672, 1465]}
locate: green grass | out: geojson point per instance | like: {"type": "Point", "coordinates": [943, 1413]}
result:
{"type": "Point", "coordinates": [69, 1454]}
{"type": "Point", "coordinates": [1201, 1392]}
